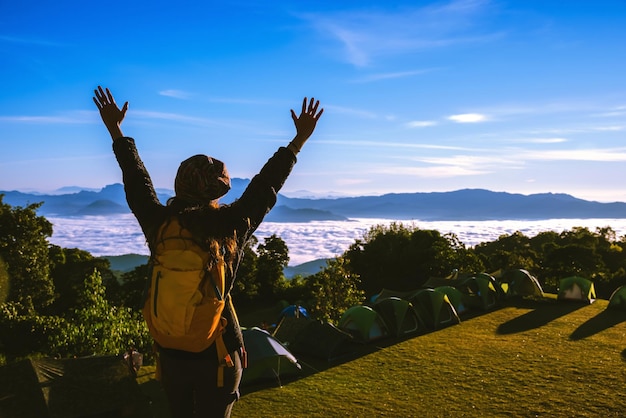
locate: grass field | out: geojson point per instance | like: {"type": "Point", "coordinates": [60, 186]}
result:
{"type": "Point", "coordinates": [534, 358]}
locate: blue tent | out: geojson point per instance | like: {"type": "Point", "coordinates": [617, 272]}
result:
{"type": "Point", "coordinates": [295, 311]}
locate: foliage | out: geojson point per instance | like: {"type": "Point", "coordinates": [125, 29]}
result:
{"type": "Point", "coordinates": [69, 267]}
{"type": "Point", "coordinates": [246, 286]}
{"type": "Point", "coordinates": [333, 290]}
{"type": "Point", "coordinates": [24, 248]}
{"type": "Point", "coordinates": [402, 258]}
{"type": "Point", "coordinates": [513, 251]}
{"type": "Point", "coordinates": [65, 302]}
{"type": "Point", "coordinates": [4, 281]}
{"type": "Point", "coordinates": [132, 288]}
{"type": "Point", "coordinates": [552, 256]}
{"type": "Point", "coordinates": [100, 328]}
{"type": "Point", "coordinates": [92, 327]}
{"type": "Point", "coordinates": [273, 258]}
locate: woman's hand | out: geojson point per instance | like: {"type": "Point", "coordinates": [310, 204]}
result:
{"type": "Point", "coordinates": [111, 114]}
{"type": "Point", "coordinates": [305, 123]}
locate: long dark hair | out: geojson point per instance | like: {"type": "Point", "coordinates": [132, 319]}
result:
{"type": "Point", "coordinates": [216, 238]}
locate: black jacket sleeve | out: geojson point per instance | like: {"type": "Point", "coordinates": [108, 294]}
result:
{"type": "Point", "coordinates": [260, 195]}
{"type": "Point", "coordinates": [140, 194]}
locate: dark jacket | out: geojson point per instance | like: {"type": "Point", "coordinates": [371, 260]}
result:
{"type": "Point", "coordinates": [238, 220]}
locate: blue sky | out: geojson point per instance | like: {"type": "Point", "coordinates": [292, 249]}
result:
{"type": "Point", "coordinates": [419, 96]}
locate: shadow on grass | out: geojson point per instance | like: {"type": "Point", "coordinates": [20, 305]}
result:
{"type": "Point", "coordinates": [624, 355]}
{"type": "Point", "coordinates": [604, 320]}
{"type": "Point", "coordinates": [312, 365]}
{"type": "Point", "coordinates": [543, 313]}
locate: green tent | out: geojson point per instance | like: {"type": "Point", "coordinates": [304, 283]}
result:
{"type": "Point", "coordinates": [618, 299]}
{"type": "Point", "coordinates": [519, 282]}
{"type": "Point", "coordinates": [364, 323]}
{"type": "Point", "coordinates": [388, 293]}
{"type": "Point", "coordinates": [500, 293]}
{"type": "Point", "coordinates": [98, 386]}
{"type": "Point", "coordinates": [479, 292]}
{"type": "Point", "coordinates": [323, 340]}
{"type": "Point", "coordinates": [289, 328]}
{"type": "Point", "coordinates": [576, 288]}
{"type": "Point", "coordinates": [267, 357]}
{"type": "Point", "coordinates": [456, 298]}
{"type": "Point", "coordinates": [399, 316]}
{"type": "Point", "coordinates": [434, 309]}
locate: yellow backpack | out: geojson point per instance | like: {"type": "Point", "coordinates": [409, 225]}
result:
{"type": "Point", "coordinates": [185, 301]}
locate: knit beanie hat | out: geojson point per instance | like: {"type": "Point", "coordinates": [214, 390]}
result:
{"type": "Point", "coordinates": [201, 179]}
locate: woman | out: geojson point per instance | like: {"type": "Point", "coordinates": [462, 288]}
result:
{"type": "Point", "coordinates": [189, 378]}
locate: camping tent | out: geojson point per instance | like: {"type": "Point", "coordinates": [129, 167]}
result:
{"type": "Point", "coordinates": [456, 298]}
{"type": "Point", "coordinates": [294, 310]}
{"type": "Point", "coordinates": [289, 328]}
{"type": "Point", "coordinates": [98, 386]}
{"type": "Point", "coordinates": [364, 323]}
{"type": "Point", "coordinates": [618, 299]}
{"type": "Point", "coordinates": [500, 293]}
{"type": "Point", "coordinates": [399, 316]}
{"type": "Point", "coordinates": [388, 293]}
{"type": "Point", "coordinates": [479, 292]}
{"type": "Point", "coordinates": [434, 309]}
{"type": "Point", "coordinates": [519, 282]}
{"type": "Point", "coordinates": [267, 357]}
{"type": "Point", "coordinates": [576, 288]}
{"type": "Point", "coordinates": [454, 278]}
{"type": "Point", "coordinates": [323, 340]}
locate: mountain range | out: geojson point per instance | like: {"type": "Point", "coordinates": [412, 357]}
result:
{"type": "Point", "coordinates": [465, 204]}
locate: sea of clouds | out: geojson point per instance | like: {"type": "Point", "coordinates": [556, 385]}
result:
{"type": "Point", "coordinates": [121, 234]}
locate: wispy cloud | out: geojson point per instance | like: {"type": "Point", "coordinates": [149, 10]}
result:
{"type": "Point", "coordinates": [436, 171]}
{"type": "Point", "coordinates": [68, 118]}
{"type": "Point", "coordinates": [176, 117]}
{"type": "Point", "coordinates": [468, 118]}
{"type": "Point", "coordinates": [365, 35]}
{"type": "Point", "coordinates": [473, 165]}
{"type": "Point", "coordinates": [589, 154]}
{"type": "Point", "coordinates": [29, 41]}
{"type": "Point", "coordinates": [235, 100]}
{"type": "Point", "coordinates": [176, 94]}
{"type": "Point", "coordinates": [421, 123]}
{"type": "Point", "coordinates": [616, 111]}
{"type": "Point", "coordinates": [351, 111]}
{"type": "Point", "coordinates": [351, 181]}
{"type": "Point", "coordinates": [543, 140]}
{"type": "Point", "coordinates": [472, 162]}
{"type": "Point", "coordinates": [388, 76]}
{"type": "Point", "coordinates": [186, 95]}
{"type": "Point", "coordinates": [394, 144]}
{"type": "Point", "coordinates": [608, 128]}
{"type": "Point", "coordinates": [584, 107]}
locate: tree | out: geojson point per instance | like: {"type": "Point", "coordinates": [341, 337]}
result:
{"type": "Point", "coordinates": [4, 281]}
{"type": "Point", "coordinates": [512, 251]}
{"type": "Point", "coordinates": [132, 287]}
{"type": "Point", "coordinates": [333, 290]}
{"type": "Point", "coordinates": [246, 286]}
{"type": "Point", "coordinates": [273, 258]}
{"type": "Point", "coordinates": [94, 326]}
{"type": "Point", "coordinates": [24, 248]}
{"type": "Point", "coordinates": [402, 258]}
{"type": "Point", "coordinates": [69, 267]}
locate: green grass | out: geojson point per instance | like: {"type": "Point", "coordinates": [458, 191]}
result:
{"type": "Point", "coordinates": [543, 358]}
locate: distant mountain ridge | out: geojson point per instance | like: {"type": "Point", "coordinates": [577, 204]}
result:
{"type": "Point", "coordinates": [465, 204]}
